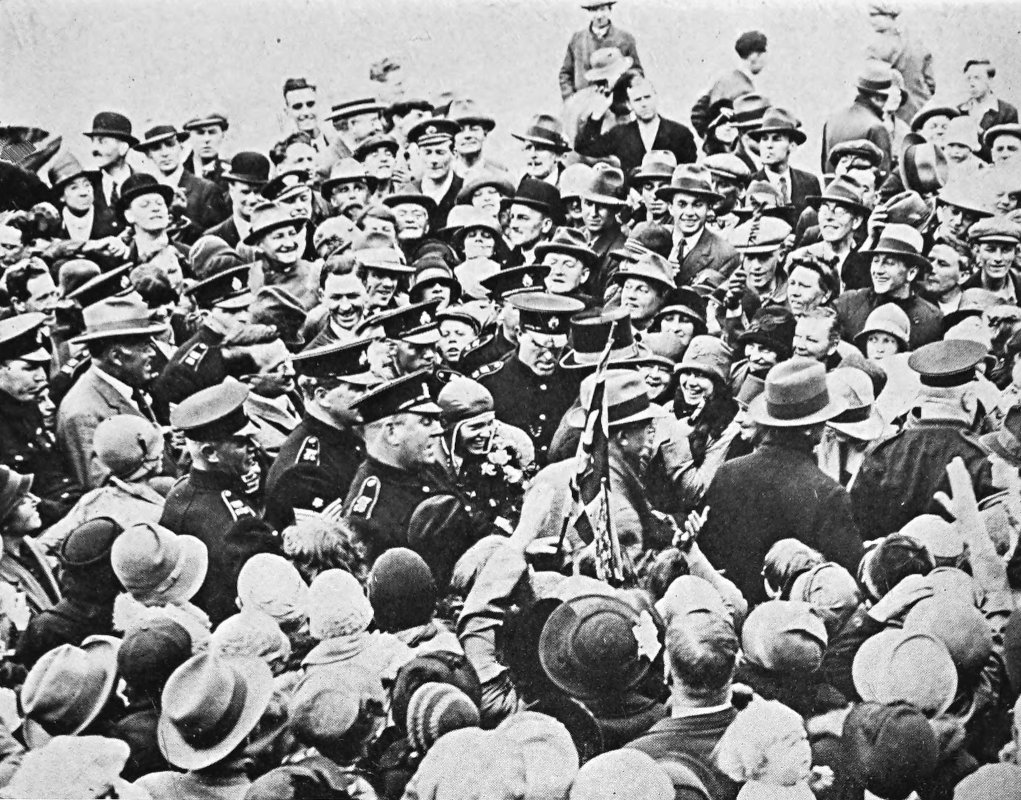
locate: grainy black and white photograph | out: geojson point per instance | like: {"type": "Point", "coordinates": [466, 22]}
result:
{"type": "Point", "coordinates": [510, 400]}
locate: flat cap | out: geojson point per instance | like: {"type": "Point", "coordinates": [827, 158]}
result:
{"type": "Point", "coordinates": [995, 229]}
{"type": "Point", "coordinates": [409, 394]}
{"type": "Point", "coordinates": [947, 363]}
{"type": "Point", "coordinates": [762, 236]}
{"type": "Point", "coordinates": [861, 148]}
{"type": "Point", "coordinates": [727, 165]}
{"type": "Point", "coordinates": [214, 413]}
{"type": "Point", "coordinates": [546, 313]}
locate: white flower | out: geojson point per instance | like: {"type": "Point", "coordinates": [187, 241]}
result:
{"type": "Point", "coordinates": [513, 474]}
{"type": "Point", "coordinates": [499, 457]}
{"type": "Point", "coordinates": [488, 469]}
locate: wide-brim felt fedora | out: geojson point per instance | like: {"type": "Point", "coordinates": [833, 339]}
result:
{"type": "Point", "coordinates": [923, 167]}
{"type": "Point", "coordinates": [796, 395]}
{"type": "Point", "coordinates": [779, 120]}
{"type": "Point", "coordinates": [627, 400]}
{"type": "Point", "coordinates": [686, 180]}
{"type": "Point", "coordinates": [279, 218]}
{"type": "Point", "coordinates": [102, 651]}
{"type": "Point", "coordinates": [117, 317]}
{"type": "Point", "coordinates": [250, 688]}
{"type": "Point", "coordinates": [896, 247]}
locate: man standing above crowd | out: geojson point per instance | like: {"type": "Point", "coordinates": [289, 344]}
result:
{"type": "Point", "coordinates": [544, 145]}
{"type": "Point", "coordinates": [205, 159]}
{"type": "Point", "coordinates": [111, 140]}
{"type": "Point", "coordinates": [983, 107]}
{"type": "Point", "coordinates": [648, 131]}
{"type": "Point", "coordinates": [751, 50]}
{"type": "Point", "coordinates": [300, 99]}
{"type": "Point", "coordinates": [598, 35]}
{"type": "Point", "coordinates": [439, 182]}
{"type": "Point", "coordinates": [892, 45]}
{"type": "Point", "coordinates": [863, 119]}
{"type": "Point", "coordinates": [778, 134]}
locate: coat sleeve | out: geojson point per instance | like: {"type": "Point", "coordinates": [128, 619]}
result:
{"type": "Point", "coordinates": [567, 87]}
{"type": "Point", "coordinates": [590, 142]}
{"type": "Point", "coordinates": [684, 147]}
{"type": "Point", "coordinates": [839, 539]}
{"type": "Point", "coordinates": [74, 437]}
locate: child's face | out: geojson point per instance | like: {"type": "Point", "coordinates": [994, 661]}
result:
{"type": "Point", "coordinates": [880, 345]}
{"type": "Point", "coordinates": [788, 760]}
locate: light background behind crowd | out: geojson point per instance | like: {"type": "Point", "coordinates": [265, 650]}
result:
{"type": "Point", "coordinates": [65, 59]}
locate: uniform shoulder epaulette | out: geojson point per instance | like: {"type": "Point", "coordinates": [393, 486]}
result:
{"type": "Point", "coordinates": [308, 453]}
{"type": "Point", "coordinates": [478, 345]}
{"type": "Point", "coordinates": [237, 507]}
{"type": "Point", "coordinates": [368, 493]}
{"type": "Point", "coordinates": [193, 357]}
{"type": "Point", "coordinates": [488, 369]}
{"type": "Point", "coordinates": [70, 365]}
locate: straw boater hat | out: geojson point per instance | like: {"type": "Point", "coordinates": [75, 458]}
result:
{"type": "Point", "coordinates": [796, 394]}
{"type": "Point", "coordinates": [117, 317]}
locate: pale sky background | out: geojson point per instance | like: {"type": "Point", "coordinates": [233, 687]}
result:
{"type": "Point", "coordinates": [163, 61]}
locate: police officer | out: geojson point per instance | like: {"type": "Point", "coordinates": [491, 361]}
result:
{"type": "Point", "coordinates": [502, 286]}
{"type": "Point", "coordinates": [898, 477]}
{"type": "Point", "coordinates": [26, 445]}
{"type": "Point", "coordinates": [402, 465]}
{"type": "Point", "coordinates": [530, 389]}
{"type": "Point", "coordinates": [223, 300]}
{"type": "Point", "coordinates": [209, 502]}
{"type": "Point", "coordinates": [412, 334]}
{"type": "Point", "coordinates": [327, 439]}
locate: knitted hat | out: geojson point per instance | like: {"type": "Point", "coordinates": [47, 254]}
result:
{"type": "Point", "coordinates": [959, 625]}
{"type": "Point", "coordinates": [272, 584]}
{"type": "Point", "coordinates": [898, 665]}
{"type": "Point", "coordinates": [890, 749]}
{"type": "Point", "coordinates": [784, 636]}
{"type": "Point", "coordinates": [438, 666]}
{"type": "Point", "coordinates": [436, 709]}
{"type": "Point", "coordinates": [622, 773]}
{"type": "Point", "coordinates": [402, 590]}
{"type": "Point", "coordinates": [151, 652]}
{"type": "Point", "coordinates": [129, 446]}
{"type": "Point", "coordinates": [551, 759]}
{"type": "Point", "coordinates": [251, 634]}
{"type": "Point", "coordinates": [337, 606]}
{"type": "Point", "coordinates": [1002, 781]}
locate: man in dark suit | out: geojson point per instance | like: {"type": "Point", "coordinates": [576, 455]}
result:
{"type": "Point", "coordinates": [247, 174]}
{"type": "Point", "coordinates": [439, 181]}
{"type": "Point", "coordinates": [778, 134]}
{"type": "Point", "coordinates": [631, 141]}
{"type": "Point", "coordinates": [111, 139]}
{"type": "Point", "coordinates": [205, 205]}
{"type": "Point", "coordinates": [118, 334]}
{"type": "Point", "coordinates": [207, 134]}
{"type": "Point", "coordinates": [863, 119]}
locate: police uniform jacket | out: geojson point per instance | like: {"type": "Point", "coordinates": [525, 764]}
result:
{"type": "Point", "coordinates": [775, 493]}
{"type": "Point", "coordinates": [336, 452]}
{"type": "Point", "coordinates": [528, 401]}
{"type": "Point", "coordinates": [485, 351]}
{"type": "Point", "coordinates": [900, 475]}
{"type": "Point", "coordinates": [211, 507]}
{"type": "Point", "coordinates": [197, 364]}
{"type": "Point", "coordinates": [383, 498]}
{"type": "Point", "coordinates": [27, 446]}
{"type": "Point", "coordinates": [853, 309]}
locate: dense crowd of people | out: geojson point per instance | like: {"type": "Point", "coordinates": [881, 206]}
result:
{"type": "Point", "coordinates": [294, 445]}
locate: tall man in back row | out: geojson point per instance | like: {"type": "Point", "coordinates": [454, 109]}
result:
{"type": "Point", "coordinates": [599, 34]}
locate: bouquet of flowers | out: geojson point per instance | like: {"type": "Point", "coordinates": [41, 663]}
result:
{"type": "Point", "coordinates": [495, 483]}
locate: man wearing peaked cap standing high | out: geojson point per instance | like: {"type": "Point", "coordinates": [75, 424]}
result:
{"type": "Point", "coordinates": [439, 181]}
{"type": "Point", "coordinates": [530, 389]}
{"type": "Point", "coordinates": [325, 443]}
{"type": "Point", "coordinates": [209, 503]}
{"type": "Point", "coordinates": [401, 468]}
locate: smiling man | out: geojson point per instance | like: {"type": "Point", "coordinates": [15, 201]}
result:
{"type": "Point", "coordinates": [245, 177]}
{"type": "Point", "coordinates": [760, 243]}
{"type": "Point", "coordinates": [644, 285]}
{"type": "Point", "coordinates": [897, 263]}
{"type": "Point", "coordinates": [696, 248]}
{"type": "Point", "coordinates": [301, 99]}
{"type": "Point", "coordinates": [994, 247]}
{"type": "Point", "coordinates": [344, 297]}
{"type": "Point", "coordinates": [439, 182]}
{"type": "Point", "coordinates": [279, 238]}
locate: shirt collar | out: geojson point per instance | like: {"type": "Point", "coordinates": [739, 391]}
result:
{"type": "Point", "coordinates": [122, 388]}
{"type": "Point", "coordinates": [437, 191]}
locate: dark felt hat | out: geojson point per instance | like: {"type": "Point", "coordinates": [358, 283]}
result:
{"type": "Point", "coordinates": [158, 134]}
{"type": "Point", "coordinates": [114, 125]}
{"type": "Point", "coordinates": [535, 194]}
{"type": "Point", "coordinates": [569, 241]}
{"type": "Point", "coordinates": [248, 167]}
{"type": "Point", "coordinates": [140, 184]}
{"type": "Point", "coordinates": [544, 130]}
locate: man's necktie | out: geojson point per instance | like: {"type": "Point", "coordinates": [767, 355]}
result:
{"type": "Point", "coordinates": [785, 194]}
{"type": "Point", "coordinates": [142, 401]}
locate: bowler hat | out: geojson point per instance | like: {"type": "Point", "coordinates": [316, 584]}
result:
{"type": "Point", "coordinates": [117, 317]}
{"type": "Point", "coordinates": [656, 164]}
{"type": "Point", "coordinates": [607, 64]}
{"type": "Point", "coordinates": [930, 110]}
{"type": "Point", "coordinates": [66, 168]}
{"type": "Point", "coordinates": [843, 191]}
{"type": "Point", "coordinates": [210, 705]}
{"type": "Point", "coordinates": [159, 134]}
{"type": "Point", "coordinates": [114, 125]}
{"type": "Point", "coordinates": [923, 167]}
{"type": "Point", "coordinates": [779, 120]}
{"type": "Point", "coordinates": [569, 241]}
{"type": "Point", "coordinates": [141, 183]}
{"type": "Point", "coordinates": [595, 645]}
{"type": "Point", "coordinates": [536, 194]}
{"type": "Point", "coordinates": [544, 130]}
{"type": "Point", "coordinates": [689, 179]}
{"type": "Point", "coordinates": [68, 688]}
{"type": "Point", "coordinates": [796, 394]}
{"type": "Point", "coordinates": [268, 217]}
{"type": "Point", "coordinates": [606, 187]}
{"type": "Point", "coordinates": [901, 241]}
{"type": "Point", "coordinates": [994, 132]}
{"type": "Point", "coordinates": [248, 167]}
{"type": "Point", "coordinates": [627, 399]}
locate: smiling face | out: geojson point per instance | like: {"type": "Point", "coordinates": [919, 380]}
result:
{"type": "Point", "coordinates": [345, 297]}
{"type": "Point", "coordinates": [487, 198]}
{"type": "Point", "coordinates": [380, 287]}
{"type": "Point", "coordinates": [301, 108]}
{"type": "Point", "coordinates": [812, 338]}
{"type": "Point", "coordinates": [284, 245]}
{"type": "Point", "coordinates": [995, 260]}
{"type": "Point", "coordinates": [891, 275]}
{"type": "Point", "coordinates": [761, 269]}
{"type": "Point", "coordinates": [473, 437]}
{"type": "Point", "coordinates": [78, 195]}
{"type": "Point", "coordinates": [837, 223]}
{"type": "Point", "coordinates": [804, 291]}
{"type": "Point", "coordinates": [695, 387]}
{"type": "Point", "coordinates": [677, 325]}
{"type": "Point", "coordinates": [689, 212]}
{"type": "Point", "coordinates": [760, 358]}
